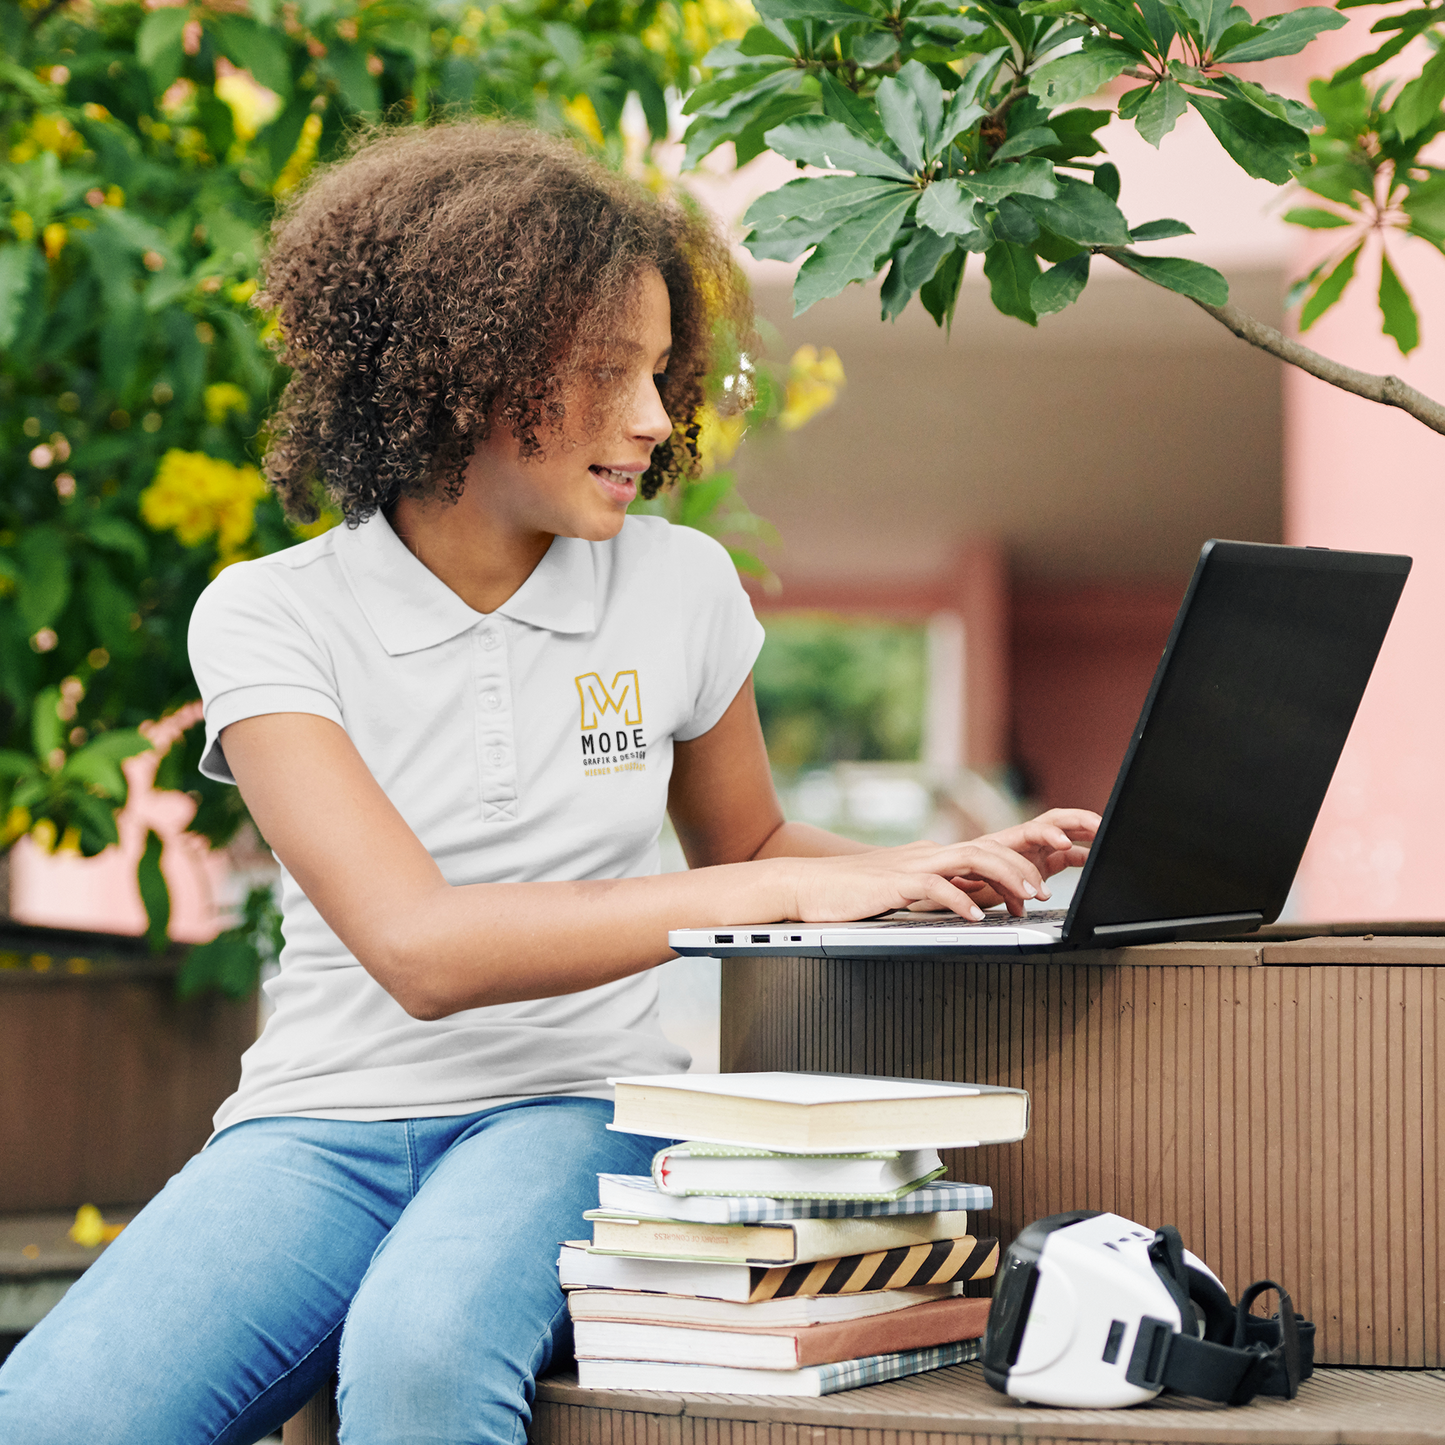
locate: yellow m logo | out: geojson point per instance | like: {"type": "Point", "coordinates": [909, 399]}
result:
{"type": "Point", "coordinates": [624, 699]}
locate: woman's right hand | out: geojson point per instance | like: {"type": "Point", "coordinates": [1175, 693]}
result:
{"type": "Point", "coordinates": [861, 885]}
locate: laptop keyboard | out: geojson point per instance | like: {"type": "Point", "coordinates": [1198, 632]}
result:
{"type": "Point", "coordinates": [1040, 916]}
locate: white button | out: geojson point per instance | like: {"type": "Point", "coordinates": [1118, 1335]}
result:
{"type": "Point", "coordinates": [496, 756]}
{"type": "Point", "coordinates": [490, 641]}
{"type": "Point", "coordinates": [491, 702]}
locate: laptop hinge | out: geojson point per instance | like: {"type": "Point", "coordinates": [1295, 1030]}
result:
{"type": "Point", "coordinates": [1211, 925]}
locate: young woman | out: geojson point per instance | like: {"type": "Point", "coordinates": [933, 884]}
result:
{"type": "Point", "coordinates": [458, 721]}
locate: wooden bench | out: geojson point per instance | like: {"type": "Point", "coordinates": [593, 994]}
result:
{"type": "Point", "coordinates": [1279, 1099]}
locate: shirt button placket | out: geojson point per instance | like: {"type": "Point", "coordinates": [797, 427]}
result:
{"type": "Point", "coordinates": [496, 735]}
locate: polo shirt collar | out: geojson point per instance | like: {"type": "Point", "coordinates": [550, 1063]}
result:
{"type": "Point", "coordinates": [410, 608]}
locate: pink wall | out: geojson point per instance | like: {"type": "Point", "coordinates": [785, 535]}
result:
{"type": "Point", "coordinates": [1090, 657]}
{"type": "Point", "coordinates": [1359, 475]}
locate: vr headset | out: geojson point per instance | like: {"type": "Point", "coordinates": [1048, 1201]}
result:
{"type": "Point", "coordinates": [1091, 1310]}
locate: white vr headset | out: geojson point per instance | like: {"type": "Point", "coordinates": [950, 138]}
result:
{"type": "Point", "coordinates": [1092, 1310]}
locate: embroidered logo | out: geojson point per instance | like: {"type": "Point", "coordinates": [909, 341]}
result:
{"type": "Point", "coordinates": [613, 740]}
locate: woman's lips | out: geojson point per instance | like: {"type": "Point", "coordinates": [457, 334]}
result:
{"type": "Point", "coordinates": [619, 486]}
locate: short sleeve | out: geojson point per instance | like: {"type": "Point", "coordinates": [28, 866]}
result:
{"type": "Point", "coordinates": [721, 634]}
{"type": "Point", "coordinates": [255, 650]}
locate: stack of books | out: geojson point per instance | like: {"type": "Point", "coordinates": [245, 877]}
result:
{"type": "Point", "coordinates": [800, 1242]}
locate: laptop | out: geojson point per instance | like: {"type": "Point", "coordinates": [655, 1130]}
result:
{"type": "Point", "coordinates": [1224, 776]}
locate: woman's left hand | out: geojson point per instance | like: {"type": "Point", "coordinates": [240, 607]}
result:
{"type": "Point", "coordinates": [1053, 841]}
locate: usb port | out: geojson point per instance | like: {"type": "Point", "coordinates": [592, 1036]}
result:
{"type": "Point", "coordinates": [762, 937]}
{"type": "Point", "coordinates": [797, 938]}
{"type": "Point", "coordinates": [722, 938]}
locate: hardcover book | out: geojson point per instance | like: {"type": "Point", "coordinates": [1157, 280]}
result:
{"type": "Point", "coordinates": [802, 1113]}
{"type": "Point", "coordinates": [701, 1168]}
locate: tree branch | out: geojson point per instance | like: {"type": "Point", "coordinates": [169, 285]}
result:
{"type": "Point", "coordinates": [1387, 390]}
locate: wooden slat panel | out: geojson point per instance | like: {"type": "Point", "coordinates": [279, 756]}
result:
{"type": "Point", "coordinates": [1285, 1117]}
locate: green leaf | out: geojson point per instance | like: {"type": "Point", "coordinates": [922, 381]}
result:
{"type": "Point", "coordinates": [903, 120]}
{"type": "Point", "coordinates": [17, 265]}
{"type": "Point", "coordinates": [153, 893]}
{"type": "Point", "coordinates": [1060, 285]}
{"type": "Point", "coordinates": [108, 608]}
{"type": "Point", "coordinates": [931, 101]}
{"type": "Point", "coordinates": [947, 209]}
{"type": "Point", "coordinates": [852, 252]}
{"type": "Point", "coordinates": [1317, 219]}
{"type": "Point", "coordinates": [1160, 230]}
{"type": "Point", "coordinates": [44, 577]}
{"type": "Point", "coordinates": [1188, 278]}
{"type": "Point", "coordinates": [939, 296]}
{"type": "Point", "coordinates": [1035, 138]}
{"type": "Point", "coordinates": [818, 141]}
{"type": "Point", "coordinates": [751, 140]}
{"type": "Point", "coordinates": [1106, 178]}
{"type": "Point", "coordinates": [829, 10]}
{"type": "Point", "coordinates": [817, 198]}
{"type": "Point", "coordinates": [873, 47]}
{"type": "Point", "coordinates": [842, 105]}
{"type": "Point", "coordinates": [118, 744]}
{"type": "Point", "coordinates": [701, 499]}
{"type": "Point", "coordinates": [1159, 22]}
{"type": "Point", "coordinates": [346, 64]}
{"type": "Point", "coordinates": [1012, 271]}
{"type": "Point", "coordinates": [1123, 20]}
{"type": "Point", "coordinates": [737, 88]}
{"type": "Point", "coordinates": [158, 45]}
{"type": "Point", "coordinates": [1160, 110]}
{"type": "Point", "coordinates": [230, 963]}
{"type": "Point", "coordinates": [748, 563]}
{"type": "Point", "coordinates": [97, 823]}
{"type": "Point", "coordinates": [1011, 222]}
{"type": "Point", "coordinates": [1211, 16]}
{"type": "Point", "coordinates": [98, 771]}
{"type": "Point", "coordinates": [1329, 290]}
{"type": "Point", "coordinates": [1074, 77]}
{"type": "Point", "coordinates": [256, 48]}
{"type": "Point", "coordinates": [759, 40]}
{"type": "Point", "coordinates": [1401, 323]}
{"type": "Point", "coordinates": [1419, 102]}
{"type": "Point", "coordinates": [1372, 61]}
{"type": "Point", "coordinates": [47, 732]}
{"type": "Point", "coordinates": [1083, 213]}
{"type": "Point", "coordinates": [1425, 205]}
{"type": "Point", "coordinates": [1285, 34]}
{"type": "Point", "coordinates": [912, 265]}
{"type": "Point", "coordinates": [1262, 145]}
{"type": "Point", "coordinates": [960, 116]}
{"type": "Point", "coordinates": [1029, 177]}
{"type": "Point", "coordinates": [115, 534]}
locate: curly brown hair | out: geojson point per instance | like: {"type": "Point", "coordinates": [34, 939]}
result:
{"type": "Point", "coordinates": [439, 282]}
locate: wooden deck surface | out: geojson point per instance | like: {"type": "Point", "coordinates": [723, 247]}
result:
{"type": "Point", "coordinates": [955, 1407]}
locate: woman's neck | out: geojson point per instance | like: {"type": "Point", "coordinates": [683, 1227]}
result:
{"type": "Point", "coordinates": [481, 560]}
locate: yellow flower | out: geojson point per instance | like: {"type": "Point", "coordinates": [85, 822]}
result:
{"type": "Point", "coordinates": [253, 107]}
{"type": "Point", "coordinates": [54, 236]}
{"type": "Point", "coordinates": [48, 133]}
{"type": "Point", "coordinates": [242, 291]}
{"type": "Point", "coordinates": [198, 497]}
{"type": "Point", "coordinates": [17, 825]}
{"type": "Point", "coordinates": [324, 523]}
{"type": "Point", "coordinates": [114, 196]}
{"type": "Point", "coordinates": [221, 398]}
{"type": "Point", "coordinates": [23, 226]}
{"type": "Point", "coordinates": [295, 169]}
{"type": "Point", "coordinates": [813, 381]}
{"type": "Point", "coordinates": [90, 1228]}
{"type": "Point", "coordinates": [43, 835]}
{"type": "Point", "coordinates": [582, 114]}
{"type": "Point", "coordinates": [718, 437]}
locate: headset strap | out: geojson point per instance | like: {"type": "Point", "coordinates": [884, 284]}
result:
{"type": "Point", "coordinates": [1230, 1374]}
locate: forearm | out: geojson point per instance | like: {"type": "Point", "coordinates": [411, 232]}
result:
{"type": "Point", "coordinates": [452, 948]}
{"type": "Point", "coordinates": [802, 840]}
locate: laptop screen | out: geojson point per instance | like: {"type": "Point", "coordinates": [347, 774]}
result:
{"type": "Point", "coordinates": [1238, 739]}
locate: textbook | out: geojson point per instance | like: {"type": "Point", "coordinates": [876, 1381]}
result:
{"type": "Point", "coordinates": [635, 1195]}
{"type": "Point", "coordinates": [884, 1174]}
{"type": "Point", "coordinates": [942, 1262]}
{"type": "Point", "coordinates": [695, 1313]}
{"type": "Point", "coordinates": [814, 1380]}
{"type": "Point", "coordinates": [776, 1348]}
{"type": "Point", "coordinates": [796, 1242]}
{"type": "Point", "coordinates": [798, 1113]}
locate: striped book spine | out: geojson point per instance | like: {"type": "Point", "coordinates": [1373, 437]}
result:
{"type": "Point", "coordinates": [942, 1262]}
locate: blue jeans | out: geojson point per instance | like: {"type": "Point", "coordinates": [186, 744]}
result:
{"type": "Point", "coordinates": [418, 1256]}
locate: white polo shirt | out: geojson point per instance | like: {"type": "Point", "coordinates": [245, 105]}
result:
{"type": "Point", "coordinates": [527, 744]}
